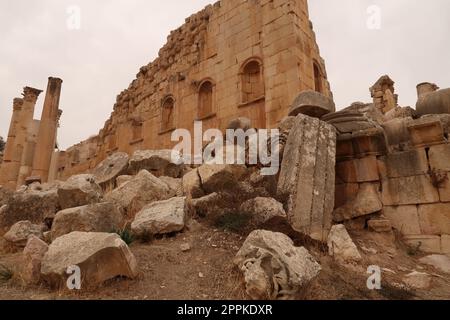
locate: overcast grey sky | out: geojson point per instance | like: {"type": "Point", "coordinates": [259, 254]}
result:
{"type": "Point", "coordinates": [117, 37]}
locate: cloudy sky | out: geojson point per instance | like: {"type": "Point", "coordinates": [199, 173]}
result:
{"type": "Point", "coordinates": [117, 37]}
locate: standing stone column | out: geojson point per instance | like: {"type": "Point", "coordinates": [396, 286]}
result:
{"type": "Point", "coordinates": [307, 178]}
{"type": "Point", "coordinates": [24, 124]}
{"type": "Point", "coordinates": [46, 139]}
{"type": "Point", "coordinates": [7, 166]}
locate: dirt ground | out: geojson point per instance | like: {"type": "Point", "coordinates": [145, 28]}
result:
{"type": "Point", "coordinates": [206, 271]}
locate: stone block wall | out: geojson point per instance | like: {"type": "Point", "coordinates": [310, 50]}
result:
{"type": "Point", "coordinates": [234, 58]}
{"type": "Point", "coordinates": [410, 181]}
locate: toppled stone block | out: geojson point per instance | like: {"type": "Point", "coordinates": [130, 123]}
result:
{"type": "Point", "coordinates": [33, 254]}
{"type": "Point", "coordinates": [157, 162]}
{"type": "Point", "coordinates": [100, 256]}
{"type": "Point", "coordinates": [366, 202]}
{"type": "Point", "coordinates": [100, 217]}
{"type": "Point", "coordinates": [215, 178]}
{"type": "Point", "coordinates": [313, 104]}
{"type": "Point", "coordinates": [20, 232]}
{"type": "Point", "coordinates": [175, 186]}
{"type": "Point", "coordinates": [273, 268]}
{"type": "Point", "coordinates": [341, 246]}
{"type": "Point", "coordinates": [120, 180]}
{"type": "Point", "coordinates": [306, 184]}
{"type": "Point", "coordinates": [31, 205]}
{"type": "Point", "coordinates": [78, 191]}
{"type": "Point", "coordinates": [107, 171]}
{"type": "Point", "coordinates": [143, 189]}
{"type": "Point", "coordinates": [160, 217]}
{"type": "Point", "coordinates": [262, 209]}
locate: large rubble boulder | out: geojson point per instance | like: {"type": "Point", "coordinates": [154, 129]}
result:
{"type": "Point", "coordinates": [158, 162]}
{"type": "Point", "coordinates": [32, 205]}
{"type": "Point", "coordinates": [439, 262]}
{"type": "Point", "coordinates": [143, 189]}
{"type": "Point", "coordinates": [33, 254]}
{"type": "Point", "coordinates": [99, 217]}
{"type": "Point", "coordinates": [262, 209]}
{"type": "Point", "coordinates": [107, 171]}
{"type": "Point", "coordinates": [20, 232]}
{"type": "Point", "coordinates": [160, 217]}
{"type": "Point", "coordinates": [175, 186]}
{"type": "Point", "coordinates": [341, 246]}
{"type": "Point", "coordinates": [273, 267]}
{"type": "Point", "coordinates": [306, 184]}
{"type": "Point", "coordinates": [78, 191]}
{"type": "Point", "coordinates": [215, 178]}
{"type": "Point", "coordinates": [437, 102]}
{"type": "Point", "coordinates": [100, 257]}
{"type": "Point", "coordinates": [5, 195]}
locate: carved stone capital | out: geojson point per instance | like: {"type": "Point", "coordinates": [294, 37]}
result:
{"type": "Point", "coordinates": [31, 94]}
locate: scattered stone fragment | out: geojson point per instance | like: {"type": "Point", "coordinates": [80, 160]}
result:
{"type": "Point", "coordinates": [100, 256]}
{"type": "Point", "coordinates": [160, 217]}
{"type": "Point", "coordinates": [192, 186]}
{"type": "Point", "coordinates": [273, 268]}
{"type": "Point", "coordinates": [341, 246]}
{"type": "Point", "coordinates": [380, 225]}
{"type": "Point", "coordinates": [185, 247]}
{"type": "Point", "coordinates": [78, 191]}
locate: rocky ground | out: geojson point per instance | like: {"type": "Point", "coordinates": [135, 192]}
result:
{"type": "Point", "coordinates": [206, 271]}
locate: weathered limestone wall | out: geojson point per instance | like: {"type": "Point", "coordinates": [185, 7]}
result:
{"type": "Point", "coordinates": [234, 58]}
{"type": "Point", "coordinates": [406, 180]}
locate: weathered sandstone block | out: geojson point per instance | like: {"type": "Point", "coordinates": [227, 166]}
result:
{"type": "Point", "coordinates": [358, 170]}
{"type": "Point", "coordinates": [262, 209]}
{"type": "Point", "coordinates": [192, 186]}
{"type": "Point", "coordinates": [100, 217]}
{"type": "Point", "coordinates": [157, 162]}
{"type": "Point", "coordinates": [78, 191]}
{"type": "Point", "coordinates": [160, 217]}
{"type": "Point", "coordinates": [418, 280]}
{"type": "Point", "coordinates": [100, 256]}
{"type": "Point", "coordinates": [143, 189]}
{"type": "Point", "coordinates": [434, 102]}
{"type": "Point", "coordinates": [409, 190]}
{"type": "Point", "coordinates": [273, 267]}
{"type": "Point", "coordinates": [439, 157]}
{"type": "Point", "coordinates": [367, 201]}
{"type": "Point", "coordinates": [404, 218]}
{"type": "Point", "coordinates": [313, 104]}
{"type": "Point", "coordinates": [380, 225]}
{"type": "Point", "coordinates": [107, 171]}
{"type": "Point", "coordinates": [440, 262]}
{"type": "Point", "coordinates": [341, 246]}
{"type": "Point", "coordinates": [435, 218]}
{"type": "Point", "coordinates": [307, 178]}
{"type": "Point", "coordinates": [426, 132]}
{"type": "Point", "coordinates": [33, 254]}
{"type": "Point", "coordinates": [445, 244]}
{"type": "Point", "coordinates": [404, 164]}
{"type": "Point", "coordinates": [20, 232]}
{"type": "Point", "coordinates": [345, 192]}
{"type": "Point", "coordinates": [215, 178]}
{"type": "Point", "coordinates": [424, 243]}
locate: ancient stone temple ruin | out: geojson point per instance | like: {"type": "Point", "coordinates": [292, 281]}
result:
{"type": "Point", "coordinates": [234, 58]}
{"type": "Point", "coordinates": [30, 149]}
